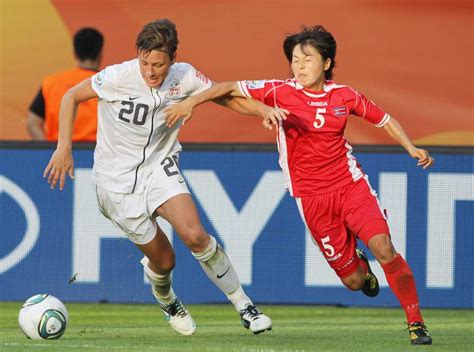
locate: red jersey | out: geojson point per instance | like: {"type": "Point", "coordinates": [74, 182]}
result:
{"type": "Point", "coordinates": [315, 156]}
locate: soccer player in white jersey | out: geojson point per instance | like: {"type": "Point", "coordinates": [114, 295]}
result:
{"type": "Point", "coordinates": [136, 167]}
{"type": "Point", "coordinates": [331, 190]}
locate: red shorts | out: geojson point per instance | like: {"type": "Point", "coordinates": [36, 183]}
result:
{"type": "Point", "coordinates": [337, 218]}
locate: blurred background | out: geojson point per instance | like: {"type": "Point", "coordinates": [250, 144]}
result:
{"type": "Point", "coordinates": [412, 57]}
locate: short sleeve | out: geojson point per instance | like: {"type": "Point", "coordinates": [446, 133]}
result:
{"type": "Point", "coordinates": [196, 81]}
{"type": "Point", "coordinates": [37, 106]}
{"type": "Point", "coordinates": [104, 83]}
{"type": "Point", "coordinates": [254, 89]}
{"type": "Point", "coordinates": [360, 106]}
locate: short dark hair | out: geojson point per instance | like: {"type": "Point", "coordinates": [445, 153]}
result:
{"type": "Point", "coordinates": [88, 43]}
{"type": "Point", "coordinates": [158, 35]}
{"type": "Point", "coordinates": [319, 38]}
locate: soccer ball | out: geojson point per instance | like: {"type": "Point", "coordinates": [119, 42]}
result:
{"type": "Point", "coordinates": [43, 317]}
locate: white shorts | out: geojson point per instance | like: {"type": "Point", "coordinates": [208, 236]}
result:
{"type": "Point", "coordinates": [133, 213]}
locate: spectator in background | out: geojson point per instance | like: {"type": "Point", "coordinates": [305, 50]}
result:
{"type": "Point", "coordinates": [43, 115]}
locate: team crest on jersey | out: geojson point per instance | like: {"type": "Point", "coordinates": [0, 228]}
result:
{"type": "Point", "coordinates": [339, 111]}
{"type": "Point", "coordinates": [175, 89]}
{"type": "Point", "coordinates": [255, 84]}
{"type": "Point", "coordinates": [99, 78]}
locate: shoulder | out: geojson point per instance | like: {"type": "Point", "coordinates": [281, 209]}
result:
{"type": "Point", "coordinates": [123, 68]}
{"type": "Point", "coordinates": [181, 70]}
{"type": "Point", "coordinates": [182, 67]}
{"type": "Point", "coordinates": [286, 85]}
{"type": "Point", "coordinates": [60, 75]}
{"type": "Point", "coordinates": [265, 83]}
{"type": "Point", "coordinates": [127, 71]}
{"type": "Point", "coordinates": [187, 74]}
{"type": "Point", "coordinates": [339, 89]}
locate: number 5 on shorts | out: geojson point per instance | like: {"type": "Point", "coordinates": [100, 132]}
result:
{"type": "Point", "coordinates": [328, 249]}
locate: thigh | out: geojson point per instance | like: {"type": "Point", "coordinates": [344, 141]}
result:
{"type": "Point", "coordinates": [128, 212]}
{"type": "Point", "coordinates": [362, 212]}
{"type": "Point", "coordinates": [328, 231]}
{"type": "Point", "coordinates": [180, 211]}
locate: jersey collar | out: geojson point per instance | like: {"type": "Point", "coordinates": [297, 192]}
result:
{"type": "Point", "coordinates": [327, 86]}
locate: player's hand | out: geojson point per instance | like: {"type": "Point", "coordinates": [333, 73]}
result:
{"type": "Point", "coordinates": [273, 116]}
{"type": "Point", "coordinates": [424, 158]}
{"type": "Point", "coordinates": [60, 165]}
{"type": "Point", "coordinates": [183, 109]}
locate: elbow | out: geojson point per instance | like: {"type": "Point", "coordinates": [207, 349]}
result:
{"type": "Point", "coordinates": [70, 97]}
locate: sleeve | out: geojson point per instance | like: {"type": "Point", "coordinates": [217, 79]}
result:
{"type": "Point", "coordinates": [262, 90]}
{"type": "Point", "coordinates": [37, 106]}
{"type": "Point", "coordinates": [360, 106]}
{"type": "Point", "coordinates": [105, 83]}
{"type": "Point", "coordinates": [196, 81]}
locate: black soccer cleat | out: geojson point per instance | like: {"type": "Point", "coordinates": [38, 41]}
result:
{"type": "Point", "coordinates": [254, 320]}
{"type": "Point", "coordinates": [419, 335]}
{"type": "Point", "coordinates": [371, 285]}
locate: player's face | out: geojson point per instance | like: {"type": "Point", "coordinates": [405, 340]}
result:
{"type": "Point", "coordinates": [308, 67]}
{"type": "Point", "coordinates": [154, 67]}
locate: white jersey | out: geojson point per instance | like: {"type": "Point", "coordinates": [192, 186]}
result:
{"type": "Point", "coordinates": [132, 138]}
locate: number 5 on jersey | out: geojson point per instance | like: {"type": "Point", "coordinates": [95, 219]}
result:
{"type": "Point", "coordinates": [319, 118]}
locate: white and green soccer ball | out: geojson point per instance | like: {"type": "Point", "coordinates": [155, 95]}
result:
{"type": "Point", "coordinates": [43, 317]}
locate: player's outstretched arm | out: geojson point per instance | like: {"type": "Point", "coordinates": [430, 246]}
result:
{"type": "Point", "coordinates": [253, 107]}
{"type": "Point", "coordinates": [62, 162]}
{"type": "Point", "coordinates": [396, 131]}
{"type": "Point", "coordinates": [185, 108]}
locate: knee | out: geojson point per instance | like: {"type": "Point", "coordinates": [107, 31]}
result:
{"type": "Point", "coordinates": [164, 263]}
{"type": "Point", "coordinates": [382, 248]}
{"type": "Point", "coordinates": [196, 239]}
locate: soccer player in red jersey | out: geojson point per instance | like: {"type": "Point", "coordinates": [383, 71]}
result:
{"type": "Point", "coordinates": [332, 192]}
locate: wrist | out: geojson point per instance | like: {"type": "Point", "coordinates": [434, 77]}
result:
{"type": "Point", "coordinates": [194, 101]}
{"type": "Point", "coordinates": [67, 147]}
{"type": "Point", "coordinates": [411, 149]}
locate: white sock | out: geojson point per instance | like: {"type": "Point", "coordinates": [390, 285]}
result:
{"type": "Point", "coordinates": [160, 284]}
{"type": "Point", "coordinates": [220, 271]}
{"type": "Point", "coordinates": [239, 299]}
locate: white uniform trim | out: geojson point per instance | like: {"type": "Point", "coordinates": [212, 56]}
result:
{"type": "Point", "coordinates": [352, 163]}
{"type": "Point", "coordinates": [374, 193]}
{"type": "Point", "coordinates": [243, 89]}
{"type": "Point", "coordinates": [384, 121]}
{"type": "Point", "coordinates": [283, 156]}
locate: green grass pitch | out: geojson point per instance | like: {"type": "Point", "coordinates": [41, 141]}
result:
{"type": "Point", "coordinates": [120, 327]}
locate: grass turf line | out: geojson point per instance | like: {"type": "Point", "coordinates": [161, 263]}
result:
{"type": "Point", "coordinates": [120, 327]}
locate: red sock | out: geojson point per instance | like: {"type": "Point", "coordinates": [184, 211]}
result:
{"type": "Point", "coordinates": [401, 281]}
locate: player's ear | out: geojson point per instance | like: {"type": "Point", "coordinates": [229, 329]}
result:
{"type": "Point", "coordinates": [327, 64]}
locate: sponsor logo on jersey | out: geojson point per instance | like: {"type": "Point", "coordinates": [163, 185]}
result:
{"type": "Point", "coordinates": [202, 77]}
{"type": "Point", "coordinates": [99, 78]}
{"type": "Point", "coordinates": [317, 103]}
{"type": "Point", "coordinates": [336, 257]}
{"type": "Point", "coordinates": [339, 110]}
{"type": "Point", "coordinates": [349, 262]}
{"type": "Point", "coordinates": [255, 84]}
